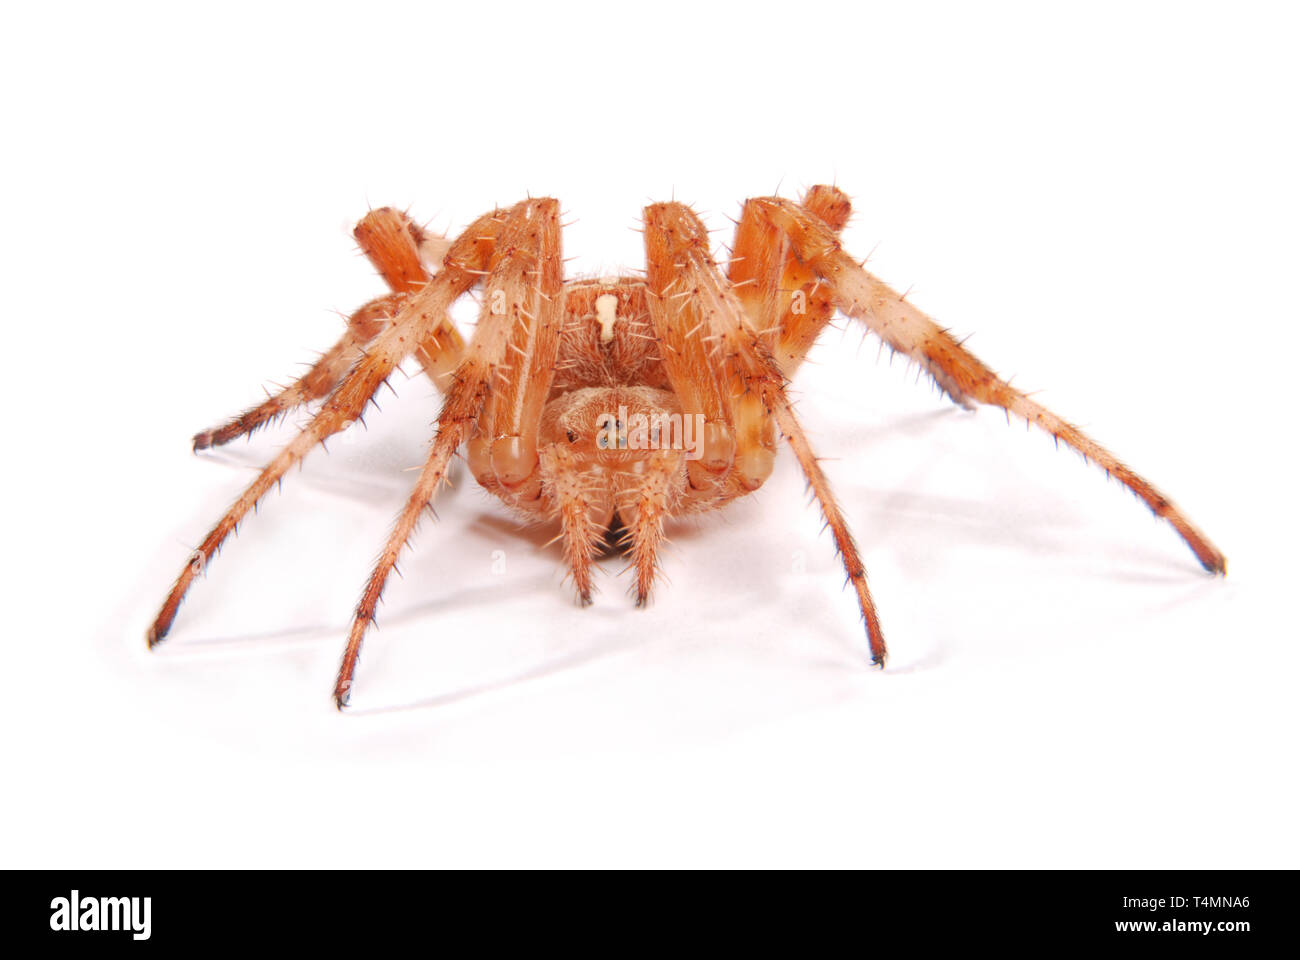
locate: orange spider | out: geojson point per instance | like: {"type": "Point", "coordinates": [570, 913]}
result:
{"type": "Point", "coordinates": [618, 402]}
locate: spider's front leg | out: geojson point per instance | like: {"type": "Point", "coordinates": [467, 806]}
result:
{"type": "Point", "coordinates": [396, 246]}
{"type": "Point", "coordinates": [906, 329]}
{"type": "Point", "coordinates": [511, 357]}
{"type": "Point", "coordinates": [743, 368]}
{"type": "Point", "coordinates": [415, 323]}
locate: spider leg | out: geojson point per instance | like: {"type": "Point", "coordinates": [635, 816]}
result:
{"type": "Point", "coordinates": [414, 324]}
{"type": "Point", "coordinates": [401, 251]}
{"type": "Point", "coordinates": [690, 358]}
{"type": "Point", "coordinates": [678, 252]}
{"type": "Point", "coordinates": [393, 244]}
{"type": "Point", "coordinates": [909, 331]}
{"type": "Point", "coordinates": [324, 375]}
{"type": "Point", "coordinates": [783, 297]}
{"type": "Point", "coordinates": [788, 305]}
{"type": "Point", "coordinates": [503, 452]}
{"type": "Point", "coordinates": [522, 292]}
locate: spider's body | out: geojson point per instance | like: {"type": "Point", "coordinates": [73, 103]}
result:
{"type": "Point", "coordinates": [619, 401]}
{"type": "Point", "coordinates": [611, 415]}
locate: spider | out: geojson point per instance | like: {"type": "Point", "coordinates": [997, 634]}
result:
{"type": "Point", "coordinates": [608, 405]}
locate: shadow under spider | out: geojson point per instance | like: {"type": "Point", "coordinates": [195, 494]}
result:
{"type": "Point", "coordinates": [480, 596]}
{"type": "Point", "coordinates": [550, 668]}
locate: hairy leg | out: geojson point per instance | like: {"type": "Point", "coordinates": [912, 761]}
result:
{"type": "Point", "coordinates": [691, 359]}
{"type": "Point", "coordinates": [324, 375]}
{"type": "Point", "coordinates": [675, 236]}
{"type": "Point", "coordinates": [787, 304]}
{"type": "Point", "coordinates": [407, 257]}
{"type": "Point", "coordinates": [783, 297]}
{"type": "Point", "coordinates": [521, 384]}
{"type": "Point", "coordinates": [909, 331]}
{"type": "Point", "coordinates": [415, 323]}
{"type": "Point", "coordinates": [393, 244]}
{"type": "Point", "coordinates": [522, 289]}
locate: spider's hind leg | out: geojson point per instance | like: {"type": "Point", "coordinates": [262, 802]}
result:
{"type": "Point", "coordinates": [324, 375]}
{"type": "Point", "coordinates": [959, 372]}
{"type": "Point", "coordinates": [395, 246]}
{"type": "Point", "coordinates": [417, 320]}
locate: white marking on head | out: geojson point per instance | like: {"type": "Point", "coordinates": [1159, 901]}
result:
{"type": "Point", "coordinates": [606, 313]}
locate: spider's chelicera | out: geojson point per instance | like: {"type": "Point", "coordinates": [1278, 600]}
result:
{"type": "Point", "coordinates": [615, 403]}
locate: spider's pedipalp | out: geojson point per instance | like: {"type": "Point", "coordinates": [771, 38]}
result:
{"type": "Point", "coordinates": [580, 515]}
{"type": "Point", "coordinates": [644, 504]}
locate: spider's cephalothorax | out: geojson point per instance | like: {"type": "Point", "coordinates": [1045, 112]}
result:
{"type": "Point", "coordinates": [622, 401]}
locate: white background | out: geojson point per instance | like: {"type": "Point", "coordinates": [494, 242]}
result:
{"type": "Point", "coordinates": [1104, 195]}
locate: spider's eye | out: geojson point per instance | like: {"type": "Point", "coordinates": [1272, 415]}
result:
{"type": "Point", "coordinates": [573, 437]}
